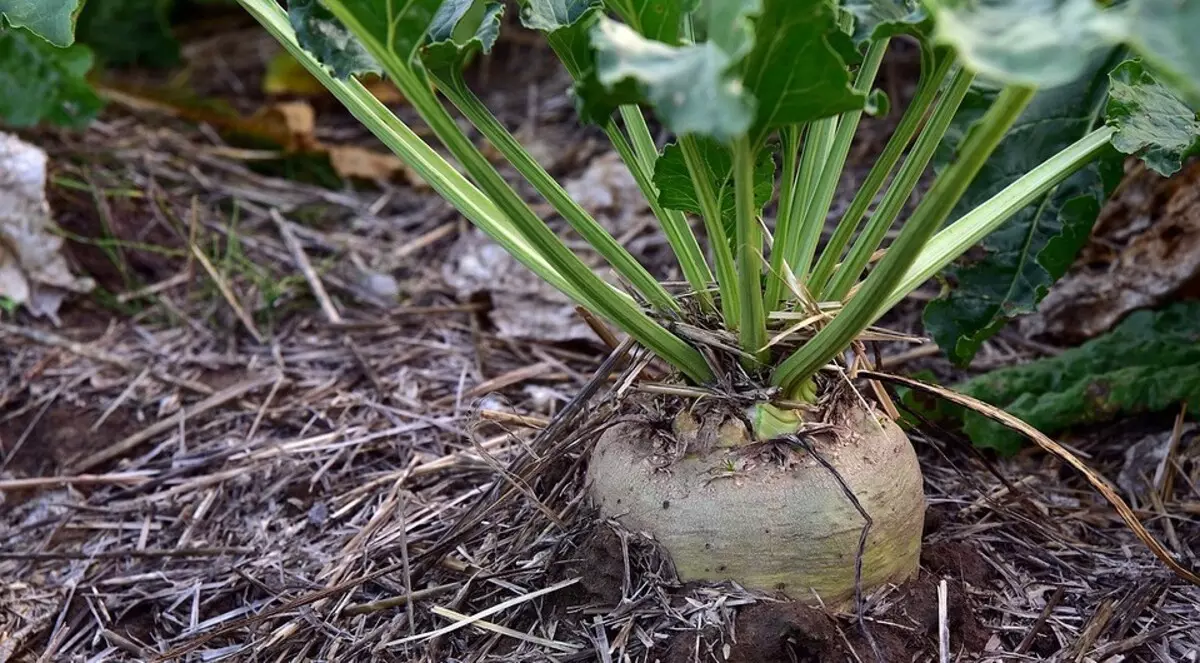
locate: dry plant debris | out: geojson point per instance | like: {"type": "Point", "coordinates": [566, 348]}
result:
{"type": "Point", "coordinates": [33, 273]}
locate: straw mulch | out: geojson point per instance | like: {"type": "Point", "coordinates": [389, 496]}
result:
{"type": "Point", "coordinates": [243, 449]}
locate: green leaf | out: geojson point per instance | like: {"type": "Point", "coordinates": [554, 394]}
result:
{"type": "Point", "coordinates": [460, 29]}
{"type": "Point", "coordinates": [1043, 43]}
{"type": "Point", "coordinates": [1150, 120]}
{"type": "Point", "coordinates": [1050, 42]}
{"type": "Point", "coordinates": [1016, 265]}
{"type": "Point", "coordinates": [567, 24]}
{"type": "Point", "coordinates": [41, 82]}
{"type": "Point", "coordinates": [793, 73]}
{"type": "Point", "coordinates": [1165, 33]}
{"type": "Point", "coordinates": [323, 35]}
{"type": "Point", "coordinates": [1148, 363]}
{"type": "Point", "coordinates": [654, 19]}
{"type": "Point", "coordinates": [52, 20]}
{"type": "Point", "coordinates": [879, 19]}
{"type": "Point", "coordinates": [677, 191]}
{"type": "Point", "coordinates": [129, 32]}
{"type": "Point", "coordinates": [688, 86]}
{"type": "Point", "coordinates": [552, 15]}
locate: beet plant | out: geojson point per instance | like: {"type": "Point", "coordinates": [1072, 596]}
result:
{"type": "Point", "coordinates": [1024, 110]}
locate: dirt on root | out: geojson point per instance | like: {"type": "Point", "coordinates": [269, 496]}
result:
{"type": "Point", "coordinates": [903, 624]}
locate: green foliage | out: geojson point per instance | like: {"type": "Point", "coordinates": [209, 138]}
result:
{"type": "Point", "coordinates": [879, 19]}
{"type": "Point", "coordinates": [460, 29]}
{"type": "Point", "coordinates": [1148, 363]}
{"type": "Point", "coordinates": [688, 86]}
{"type": "Point", "coordinates": [53, 20]}
{"type": "Point", "coordinates": [1021, 260]}
{"type": "Point", "coordinates": [677, 191]}
{"type": "Point", "coordinates": [130, 32]}
{"type": "Point", "coordinates": [41, 82]}
{"type": "Point", "coordinates": [1052, 43]}
{"type": "Point", "coordinates": [319, 32]}
{"type": "Point", "coordinates": [1151, 121]}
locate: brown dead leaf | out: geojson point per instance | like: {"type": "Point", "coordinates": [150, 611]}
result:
{"type": "Point", "coordinates": [291, 125]}
{"type": "Point", "coordinates": [33, 272]}
{"type": "Point", "coordinates": [295, 123]}
{"type": "Point", "coordinates": [1144, 251]}
{"type": "Point", "coordinates": [285, 76]}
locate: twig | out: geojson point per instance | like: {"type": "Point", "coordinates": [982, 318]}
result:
{"type": "Point", "coordinates": [226, 293]}
{"type": "Point", "coordinates": [564, 647]}
{"type": "Point", "coordinates": [500, 607]}
{"type": "Point", "coordinates": [398, 601]}
{"type": "Point", "coordinates": [128, 554]}
{"type": "Point", "coordinates": [1031, 636]}
{"type": "Point", "coordinates": [306, 268]}
{"type": "Point", "coordinates": [943, 622]}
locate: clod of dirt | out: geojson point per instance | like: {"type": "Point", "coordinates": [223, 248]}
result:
{"type": "Point", "coordinates": [33, 272]}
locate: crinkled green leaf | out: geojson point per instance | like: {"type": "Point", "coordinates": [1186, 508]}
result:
{"type": "Point", "coordinates": [567, 24]}
{"type": "Point", "coordinates": [677, 191]}
{"type": "Point", "coordinates": [1039, 42]}
{"type": "Point", "coordinates": [460, 29]}
{"type": "Point", "coordinates": [125, 32]}
{"type": "Point", "coordinates": [654, 19]}
{"type": "Point", "coordinates": [1148, 363]}
{"type": "Point", "coordinates": [792, 73]}
{"type": "Point", "coordinates": [330, 42]}
{"type": "Point", "coordinates": [53, 20]}
{"type": "Point", "coordinates": [551, 15]}
{"type": "Point", "coordinates": [879, 19]}
{"type": "Point", "coordinates": [688, 86]}
{"type": "Point", "coordinates": [1167, 34]}
{"type": "Point", "coordinates": [742, 77]}
{"type": "Point", "coordinates": [41, 82]}
{"type": "Point", "coordinates": [1150, 120]}
{"type": "Point", "coordinates": [1050, 42]}
{"type": "Point", "coordinates": [729, 24]}
{"type": "Point", "coordinates": [1015, 265]}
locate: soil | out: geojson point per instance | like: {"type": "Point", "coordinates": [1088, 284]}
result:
{"type": "Point", "coordinates": [59, 436]}
{"type": "Point", "coordinates": [903, 622]}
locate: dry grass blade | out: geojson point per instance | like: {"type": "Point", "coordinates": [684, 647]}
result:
{"type": "Point", "coordinates": [499, 607]}
{"type": "Point", "coordinates": [564, 647]}
{"type": "Point", "coordinates": [1002, 417]}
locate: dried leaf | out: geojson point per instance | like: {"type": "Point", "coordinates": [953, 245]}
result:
{"type": "Point", "coordinates": [32, 270]}
{"type": "Point", "coordinates": [1144, 251]}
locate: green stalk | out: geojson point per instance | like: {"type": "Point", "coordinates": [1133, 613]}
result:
{"type": "Point", "coordinates": [877, 176]}
{"type": "Point", "coordinates": [424, 160]}
{"type": "Point", "coordinates": [789, 178]}
{"type": "Point", "coordinates": [972, 227]}
{"type": "Point", "coordinates": [639, 134]}
{"type": "Point", "coordinates": [901, 188]}
{"type": "Point", "coordinates": [674, 223]}
{"type": "Point", "coordinates": [710, 208]}
{"type": "Point", "coordinates": [822, 198]}
{"type": "Point", "coordinates": [459, 94]}
{"type": "Point", "coordinates": [949, 187]}
{"type": "Point", "coordinates": [753, 327]}
{"type": "Point", "coordinates": [625, 314]}
{"type": "Point", "coordinates": [789, 227]}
